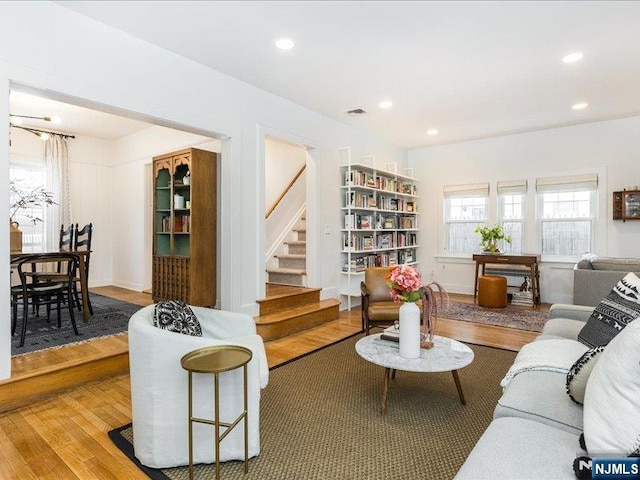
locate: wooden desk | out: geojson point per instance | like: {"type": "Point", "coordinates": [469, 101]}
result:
{"type": "Point", "coordinates": [530, 261]}
{"type": "Point", "coordinates": [82, 270]}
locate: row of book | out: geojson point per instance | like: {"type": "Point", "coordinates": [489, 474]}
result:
{"type": "Point", "coordinates": [381, 202]}
{"type": "Point", "coordinates": [358, 243]}
{"type": "Point", "coordinates": [367, 179]}
{"type": "Point", "coordinates": [360, 264]}
{"type": "Point", "coordinates": [181, 224]}
{"type": "Point", "coordinates": [378, 222]}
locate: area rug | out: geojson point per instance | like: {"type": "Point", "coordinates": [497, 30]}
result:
{"type": "Point", "coordinates": [320, 419]}
{"type": "Point", "coordinates": [110, 316]}
{"type": "Point", "coordinates": [522, 318]}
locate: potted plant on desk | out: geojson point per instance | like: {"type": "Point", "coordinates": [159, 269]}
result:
{"type": "Point", "coordinates": [22, 201]}
{"type": "Point", "coordinates": [490, 238]}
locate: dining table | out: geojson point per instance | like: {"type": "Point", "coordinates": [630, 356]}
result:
{"type": "Point", "coordinates": [82, 256]}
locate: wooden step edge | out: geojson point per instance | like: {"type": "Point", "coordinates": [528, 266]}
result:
{"type": "Point", "coordinates": [286, 315]}
{"type": "Point", "coordinates": [303, 291]}
{"type": "Point", "coordinates": [287, 271]}
{"type": "Point", "coordinates": [86, 358]}
{"type": "Point", "coordinates": [18, 392]}
{"type": "Point", "coordinates": [295, 242]}
{"type": "Point", "coordinates": [293, 256]}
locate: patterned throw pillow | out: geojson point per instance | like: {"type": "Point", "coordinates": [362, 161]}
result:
{"type": "Point", "coordinates": [579, 374]}
{"type": "Point", "coordinates": [613, 313]}
{"type": "Point", "coordinates": [176, 316]}
{"type": "Point", "coordinates": [611, 414]}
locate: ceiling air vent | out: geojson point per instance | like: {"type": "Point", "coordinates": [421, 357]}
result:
{"type": "Point", "coordinates": [356, 111]}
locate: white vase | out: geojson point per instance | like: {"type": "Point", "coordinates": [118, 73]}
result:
{"type": "Point", "coordinates": [409, 330]}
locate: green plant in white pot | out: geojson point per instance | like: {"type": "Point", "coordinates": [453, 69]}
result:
{"type": "Point", "coordinates": [490, 238]}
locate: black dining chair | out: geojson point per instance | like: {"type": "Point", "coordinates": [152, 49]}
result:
{"type": "Point", "coordinates": [34, 291]}
{"type": "Point", "coordinates": [66, 241]}
{"type": "Point", "coordinates": [82, 242]}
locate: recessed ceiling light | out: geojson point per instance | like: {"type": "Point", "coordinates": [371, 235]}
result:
{"type": "Point", "coordinates": [385, 104]}
{"type": "Point", "coordinates": [56, 119]}
{"type": "Point", "coordinates": [572, 57]}
{"type": "Point", "coordinates": [580, 106]}
{"type": "Point", "coordinates": [432, 131]}
{"type": "Point", "coordinates": [285, 43]}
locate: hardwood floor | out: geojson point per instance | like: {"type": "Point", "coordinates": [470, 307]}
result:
{"type": "Point", "coordinates": [64, 435]}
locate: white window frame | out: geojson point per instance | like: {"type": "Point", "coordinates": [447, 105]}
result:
{"type": "Point", "coordinates": [479, 190]}
{"type": "Point", "coordinates": [40, 229]}
{"type": "Point", "coordinates": [577, 183]}
{"type": "Point", "coordinates": [513, 187]}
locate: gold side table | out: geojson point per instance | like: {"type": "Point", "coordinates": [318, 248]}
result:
{"type": "Point", "coordinates": [215, 360]}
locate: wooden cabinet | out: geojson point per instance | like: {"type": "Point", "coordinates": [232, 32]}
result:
{"type": "Point", "coordinates": [626, 205]}
{"type": "Point", "coordinates": [184, 227]}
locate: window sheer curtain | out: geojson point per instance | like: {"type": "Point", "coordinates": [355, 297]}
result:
{"type": "Point", "coordinates": [56, 164]}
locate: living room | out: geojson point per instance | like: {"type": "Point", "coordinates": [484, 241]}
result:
{"type": "Point", "coordinates": [115, 70]}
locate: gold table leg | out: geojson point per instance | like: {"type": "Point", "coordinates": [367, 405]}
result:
{"type": "Point", "coordinates": [385, 390]}
{"type": "Point", "coordinates": [458, 386]}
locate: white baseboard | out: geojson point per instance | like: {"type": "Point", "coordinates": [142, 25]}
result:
{"type": "Point", "coordinates": [136, 287]}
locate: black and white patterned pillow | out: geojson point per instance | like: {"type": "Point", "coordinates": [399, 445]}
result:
{"type": "Point", "coordinates": [176, 316]}
{"type": "Point", "coordinates": [579, 374]}
{"type": "Point", "coordinates": [613, 313]}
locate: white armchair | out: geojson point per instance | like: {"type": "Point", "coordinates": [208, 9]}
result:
{"type": "Point", "coordinates": [159, 389]}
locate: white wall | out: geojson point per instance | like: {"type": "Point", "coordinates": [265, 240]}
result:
{"type": "Point", "coordinates": [610, 148]}
{"type": "Point", "coordinates": [88, 60]}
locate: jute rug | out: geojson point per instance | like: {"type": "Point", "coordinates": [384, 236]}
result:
{"type": "Point", "coordinates": [320, 419]}
{"type": "Point", "coordinates": [110, 317]}
{"type": "Point", "coordinates": [522, 318]}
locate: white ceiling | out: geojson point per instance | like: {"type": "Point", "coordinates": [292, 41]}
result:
{"type": "Point", "coordinates": [470, 69]}
{"type": "Point", "coordinates": [75, 120]}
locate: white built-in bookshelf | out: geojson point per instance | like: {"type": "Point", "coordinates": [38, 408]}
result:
{"type": "Point", "coordinates": [379, 221]}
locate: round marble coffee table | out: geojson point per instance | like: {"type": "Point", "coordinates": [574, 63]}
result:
{"type": "Point", "coordinates": [447, 355]}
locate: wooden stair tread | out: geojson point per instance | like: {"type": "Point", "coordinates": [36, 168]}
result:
{"type": "Point", "coordinates": [288, 293]}
{"type": "Point", "coordinates": [297, 311]}
{"type": "Point", "coordinates": [291, 271]}
{"type": "Point", "coordinates": [297, 256]}
{"type": "Point", "coordinates": [295, 242]}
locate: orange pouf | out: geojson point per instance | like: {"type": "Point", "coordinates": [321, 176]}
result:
{"type": "Point", "coordinates": [492, 291]}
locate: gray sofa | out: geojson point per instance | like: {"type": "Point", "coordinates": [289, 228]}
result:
{"type": "Point", "coordinates": [594, 277]}
{"type": "Point", "coordinates": [535, 428]}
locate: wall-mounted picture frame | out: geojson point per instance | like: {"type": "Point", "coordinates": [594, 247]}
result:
{"type": "Point", "coordinates": [392, 167]}
{"type": "Point", "coordinates": [408, 172]}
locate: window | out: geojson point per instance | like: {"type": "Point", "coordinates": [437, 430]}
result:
{"type": "Point", "coordinates": [511, 196]}
{"type": "Point", "coordinates": [567, 214]}
{"type": "Point", "coordinates": [465, 209]}
{"type": "Point", "coordinates": [27, 177]}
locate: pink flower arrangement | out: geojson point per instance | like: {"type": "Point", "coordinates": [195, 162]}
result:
{"type": "Point", "coordinates": [405, 283]}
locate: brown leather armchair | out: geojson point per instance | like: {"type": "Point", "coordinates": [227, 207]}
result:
{"type": "Point", "coordinates": [377, 306]}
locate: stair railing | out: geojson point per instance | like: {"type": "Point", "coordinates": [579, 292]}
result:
{"type": "Point", "coordinates": [285, 191]}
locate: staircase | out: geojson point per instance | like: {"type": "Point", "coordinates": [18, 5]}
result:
{"type": "Point", "coordinates": [291, 265]}
{"type": "Point", "coordinates": [287, 310]}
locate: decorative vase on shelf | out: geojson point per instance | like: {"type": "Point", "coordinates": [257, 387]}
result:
{"type": "Point", "coordinates": [187, 179]}
{"type": "Point", "coordinates": [409, 330]}
{"type": "Point", "coordinates": [15, 238]}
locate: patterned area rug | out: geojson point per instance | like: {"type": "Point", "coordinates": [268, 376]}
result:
{"type": "Point", "coordinates": [110, 317]}
{"type": "Point", "coordinates": [522, 318]}
{"type": "Point", "coordinates": [320, 419]}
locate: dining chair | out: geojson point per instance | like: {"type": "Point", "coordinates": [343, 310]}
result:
{"type": "Point", "coordinates": [66, 241]}
{"type": "Point", "coordinates": [82, 242]}
{"type": "Point", "coordinates": [32, 290]}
